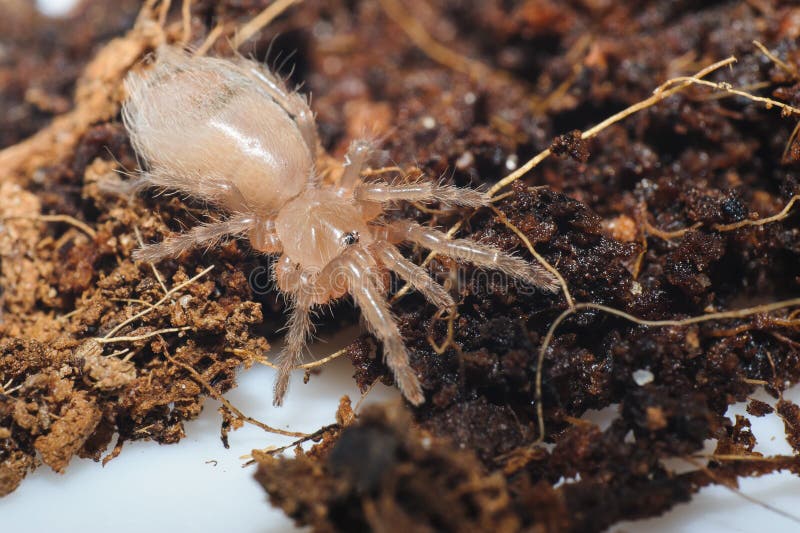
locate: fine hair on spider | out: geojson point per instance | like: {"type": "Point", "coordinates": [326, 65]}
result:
{"type": "Point", "coordinates": [230, 133]}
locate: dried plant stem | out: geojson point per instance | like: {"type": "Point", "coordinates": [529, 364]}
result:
{"type": "Point", "coordinates": [131, 301]}
{"type": "Point", "coordinates": [228, 405]}
{"type": "Point", "coordinates": [448, 342]}
{"type": "Point", "coordinates": [140, 337]}
{"type": "Point", "coordinates": [662, 92]}
{"type": "Point", "coordinates": [778, 61]}
{"type": "Point", "coordinates": [306, 366]}
{"type": "Point", "coordinates": [668, 235]}
{"type": "Point", "coordinates": [260, 21]}
{"type": "Point", "coordinates": [303, 438]}
{"type": "Point", "coordinates": [731, 486]}
{"type": "Point", "coordinates": [769, 103]}
{"type": "Point", "coordinates": [385, 170]}
{"type": "Point", "coordinates": [760, 222]}
{"type": "Point", "coordinates": [163, 12]}
{"type": "Point", "coordinates": [210, 39]}
{"type": "Point", "coordinates": [752, 458]}
{"type": "Point", "coordinates": [186, 21]}
{"type": "Point", "coordinates": [72, 221]}
{"type": "Point", "coordinates": [160, 302]}
{"type": "Point", "coordinates": [156, 273]}
{"type": "Point", "coordinates": [432, 48]}
{"type": "Point", "coordinates": [542, 261]}
{"type": "Point", "coordinates": [364, 395]}
{"type": "Point", "coordinates": [676, 234]}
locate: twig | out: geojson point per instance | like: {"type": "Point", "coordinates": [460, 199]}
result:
{"type": "Point", "coordinates": [790, 70]}
{"type": "Point", "coordinates": [186, 21]}
{"type": "Point", "coordinates": [660, 94]}
{"type": "Point", "coordinates": [707, 471]}
{"type": "Point", "coordinates": [669, 235]}
{"type": "Point", "coordinates": [431, 47]}
{"type": "Point", "coordinates": [144, 336]}
{"type": "Point", "coordinates": [542, 261]}
{"type": "Point", "coordinates": [769, 103]}
{"type": "Point", "coordinates": [219, 397]}
{"type": "Point", "coordinates": [158, 303]}
{"type": "Point", "coordinates": [760, 222]}
{"type": "Point", "coordinates": [72, 221]}
{"type": "Point", "coordinates": [306, 366]}
{"type": "Point", "coordinates": [676, 234]}
{"type": "Point", "coordinates": [257, 23]}
{"type": "Point", "coordinates": [156, 273]}
{"type": "Point", "coordinates": [163, 12]}
{"type": "Point", "coordinates": [451, 317]}
{"type": "Point", "coordinates": [365, 394]}
{"type": "Point", "coordinates": [210, 39]}
{"type": "Point", "coordinates": [305, 438]}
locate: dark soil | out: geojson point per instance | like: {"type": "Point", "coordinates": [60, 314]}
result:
{"type": "Point", "coordinates": [610, 217]}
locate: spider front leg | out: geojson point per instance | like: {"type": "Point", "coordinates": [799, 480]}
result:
{"type": "Point", "coordinates": [412, 274]}
{"type": "Point", "coordinates": [300, 288]}
{"type": "Point", "coordinates": [299, 330]}
{"type": "Point", "coordinates": [362, 279]}
{"type": "Point", "coordinates": [203, 235]}
{"type": "Point", "coordinates": [482, 255]}
{"type": "Point", "coordinates": [358, 154]}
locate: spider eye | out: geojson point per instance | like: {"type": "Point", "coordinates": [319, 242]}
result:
{"type": "Point", "coordinates": [350, 238]}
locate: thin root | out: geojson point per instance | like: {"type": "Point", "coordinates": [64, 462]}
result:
{"type": "Point", "coordinates": [662, 92]}
{"type": "Point", "coordinates": [677, 234]}
{"type": "Point", "coordinates": [435, 50]}
{"type": "Point", "coordinates": [448, 342]}
{"type": "Point", "coordinates": [722, 315]}
{"type": "Point", "coordinates": [58, 218]}
{"type": "Point", "coordinates": [134, 338]}
{"type": "Point", "coordinates": [260, 21]}
{"type": "Point", "coordinates": [160, 302]}
{"type": "Point", "coordinates": [542, 261]}
{"type": "Point", "coordinates": [219, 397]}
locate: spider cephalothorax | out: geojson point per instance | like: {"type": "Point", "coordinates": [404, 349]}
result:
{"type": "Point", "coordinates": [230, 133]}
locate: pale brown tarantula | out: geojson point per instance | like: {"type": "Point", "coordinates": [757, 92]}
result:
{"type": "Point", "coordinates": [230, 133]}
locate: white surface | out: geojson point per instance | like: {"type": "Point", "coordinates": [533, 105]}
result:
{"type": "Point", "coordinates": [55, 8]}
{"type": "Point", "coordinates": [122, 497]}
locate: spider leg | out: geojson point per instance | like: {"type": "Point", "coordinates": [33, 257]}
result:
{"type": "Point", "coordinates": [412, 274]}
{"type": "Point", "coordinates": [118, 187]}
{"type": "Point", "coordinates": [367, 293]}
{"type": "Point", "coordinates": [355, 160]}
{"type": "Point", "coordinates": [203, 235]}
{"type": "Point", "coordinates": [299, 329]}
{"type": "Point", "coordinates": [423, 191]}
{"type": "Point", "coordinates": [210, 189]}
{"type": "Point", "coordinates": [478, 254]}
{"type": "Point", "coordinates": [264, 237]}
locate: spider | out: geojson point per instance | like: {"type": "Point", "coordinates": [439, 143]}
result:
{"type": "Point", "coordinates": [230, 133]}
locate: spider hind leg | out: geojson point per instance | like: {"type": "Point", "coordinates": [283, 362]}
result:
{"type": "Point", "coordinates": [203, 235]}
